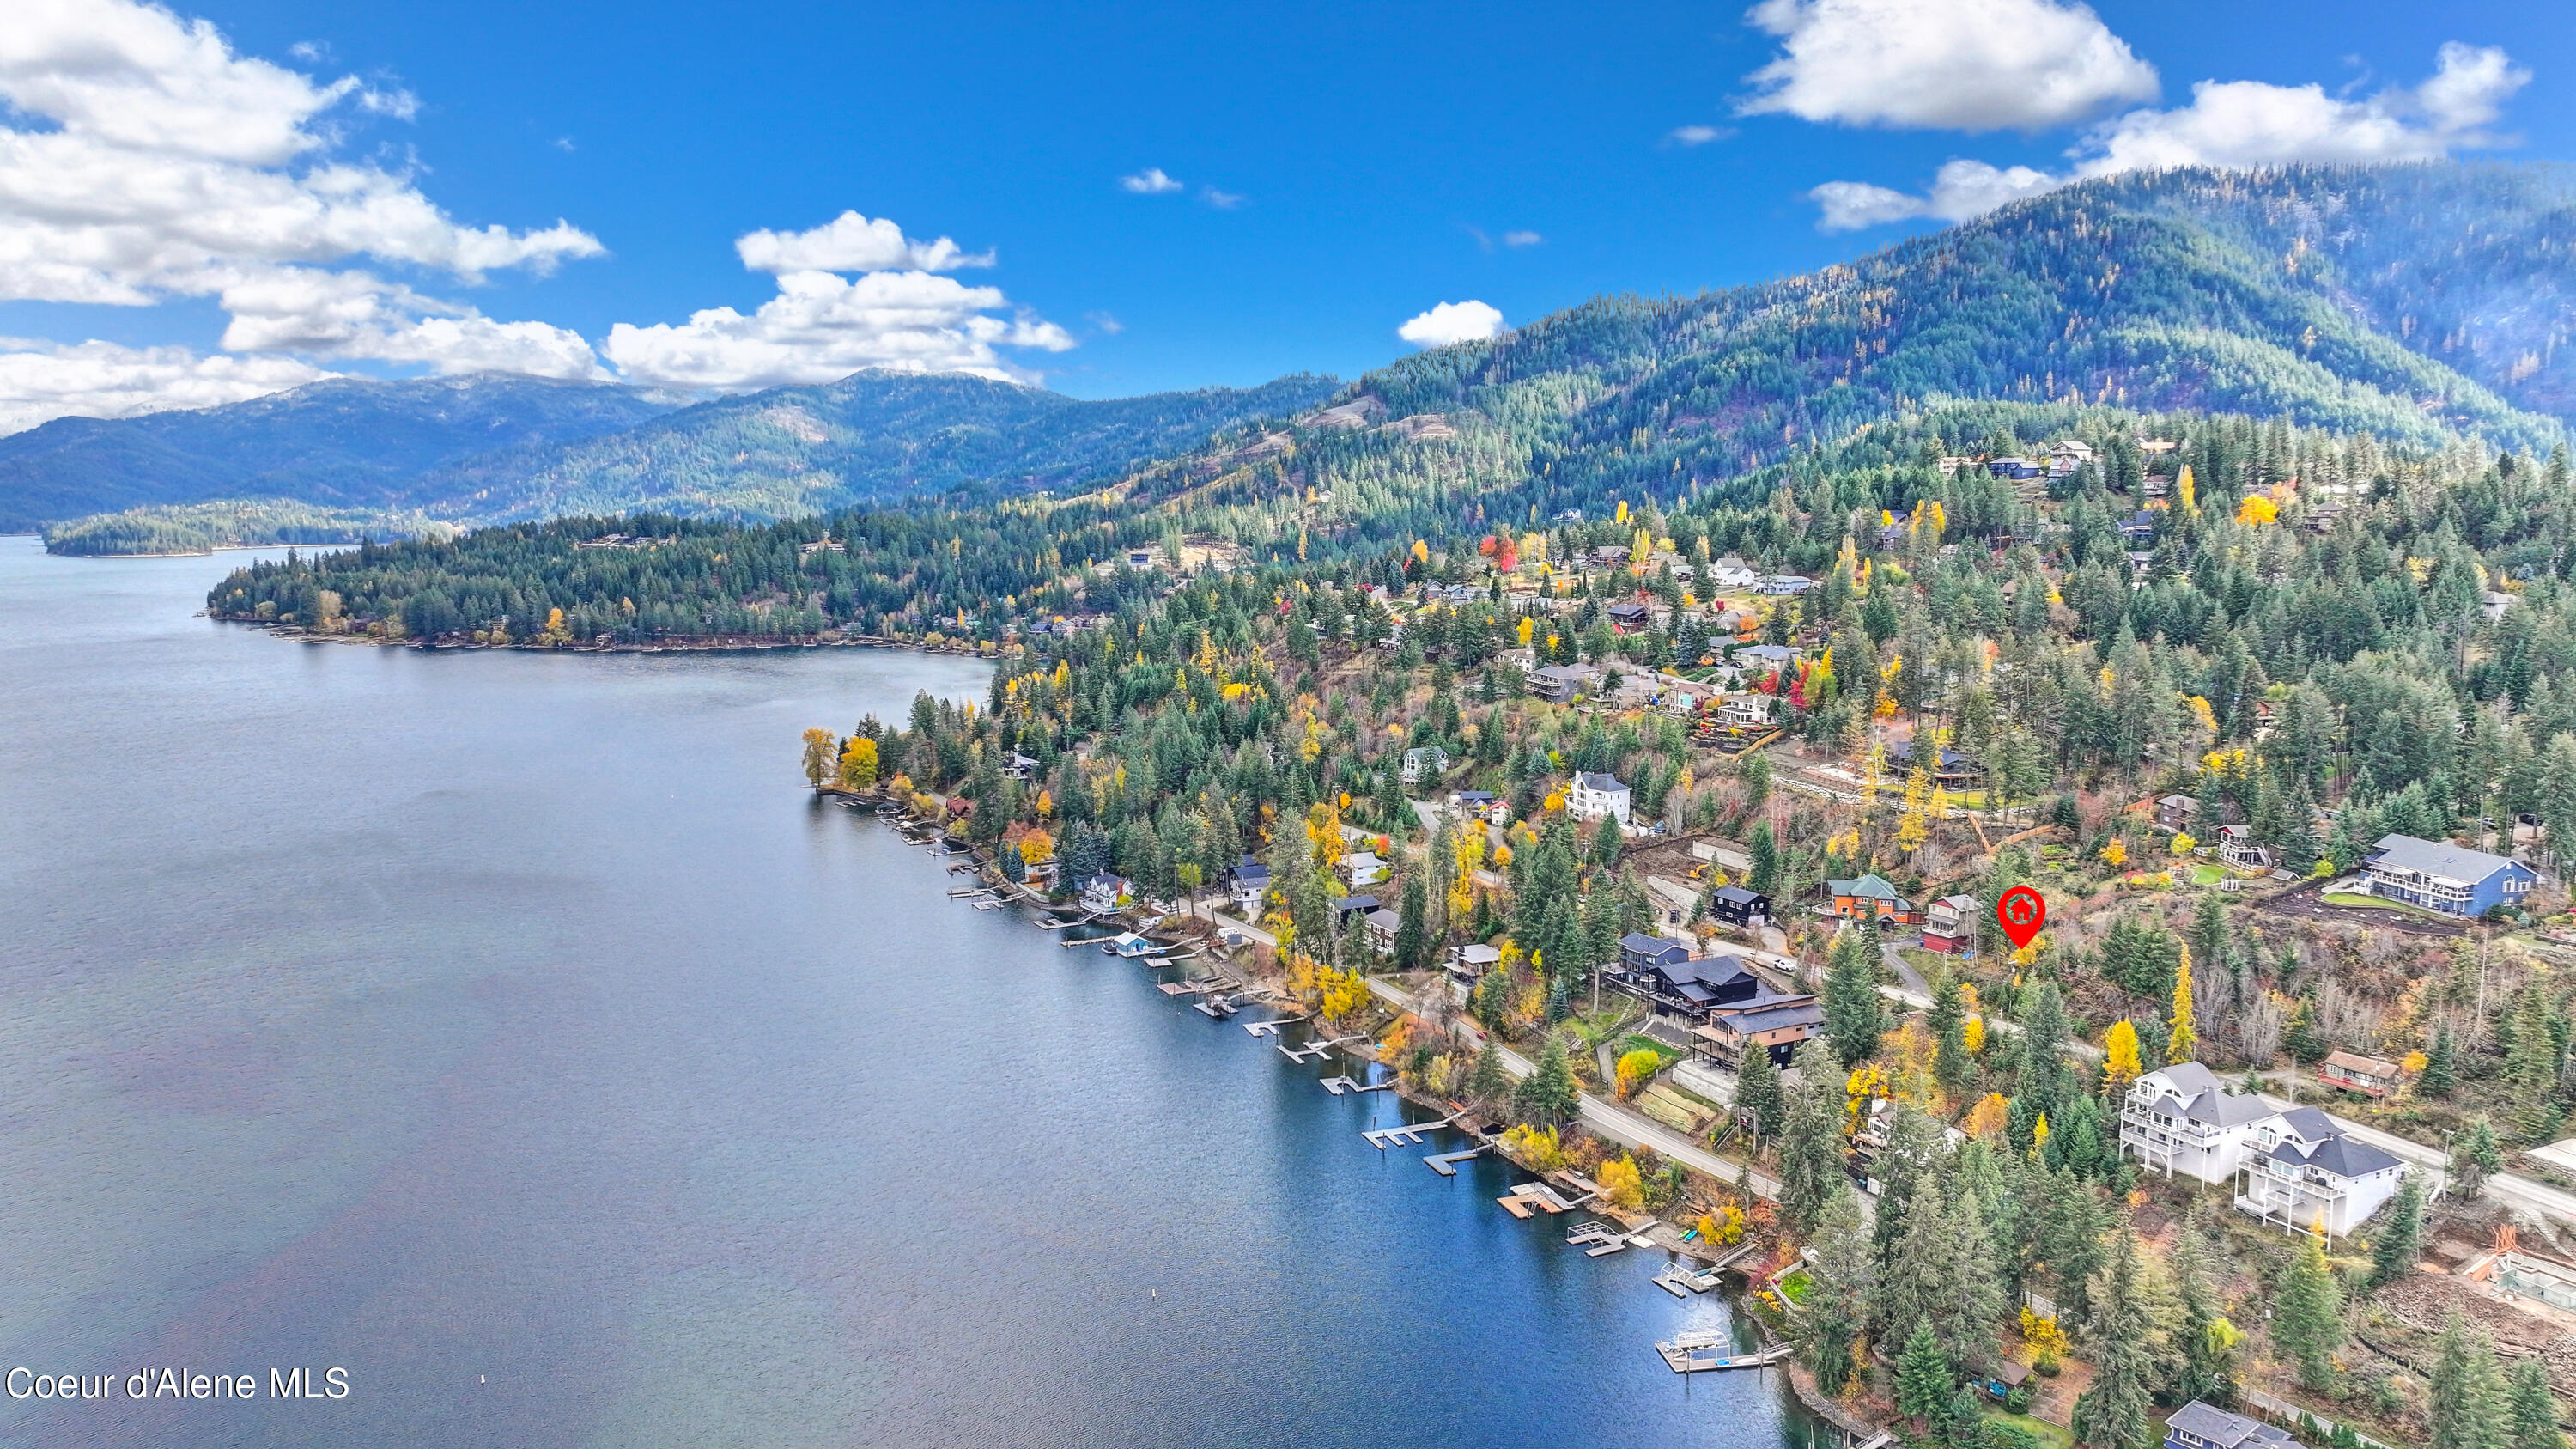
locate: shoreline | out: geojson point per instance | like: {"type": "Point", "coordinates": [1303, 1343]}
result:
{"type": "Point", "coordinates": [684, 644]}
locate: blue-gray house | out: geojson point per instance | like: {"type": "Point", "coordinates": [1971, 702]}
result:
{"type": "Point", "coordinates": [2197, 1425]}
{"type": "Point", "coordinates": [2440, 876]}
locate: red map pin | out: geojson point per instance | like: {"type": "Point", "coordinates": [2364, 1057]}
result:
{"type": "Point", "coordinates": [2021, 913]}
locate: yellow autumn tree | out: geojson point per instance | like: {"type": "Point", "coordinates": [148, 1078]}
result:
{"type": "Point", "coordinates": [1641, 549]}
{"type": "Point", "coordinates": [818, 757]}
{"type": "Point", "coordinates": [1637, 1068]}
{"type": "Point", "coordinates": [2187, 490]}
{"type": "Point", "coordinates": [1723, 1228]}
{"type": "Point", "coordinates": [1527, 627]}
{"type": "Point", "coordinates": [2120, 1054]}
{"type": "Point", "coordinates": [2039, 1131]}
{"type": "Point", "coordinates": [859, 764]}
{"type": "Point", "coordinates": [1622, 1184]}
{"type": "Point", "coordinates": [1987, 1119]}
{"type": "Point", "coordinates": [1913, 828]}
{"type": "Point", "coordinates": [1973, 1032]}
{"type": "Point", "coordinates": [2257, 510]}
{"type": "Point", "coordinates": [2116, 853]}
{"type": "Point", "coordinates": [555, 632]}
{"type": "Point", "coordinates": [2183, 1044]}
{"type": "Point", "coordinates": [2184, 843]}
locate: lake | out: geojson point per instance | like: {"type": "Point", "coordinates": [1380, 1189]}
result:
{"type": "Point", "coordinates": [515, 1032]}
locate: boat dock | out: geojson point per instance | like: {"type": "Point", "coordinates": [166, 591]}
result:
{"type": "Point", "coordinates": [1316, 1051]}
{"type": "Point", "coordinates": [1409, 1135]}
{"type": "Point", "coordinates": [1600, 1239]}
{"type": "Point", "coordinates": [1531, 1197]}
{"type": "Point", "coordinates": [1218, 1008]}
{"type": "Point", "coordinates": [1189, 988]}
{"type": "Point", "coordinates": [1446, 1163]}
{"type": "Point", "coordinates": [1338, 1085]}
{"type": "Point", "coordinates": [1271, 1028]}
{"type": "Point", "coordinates": [1702, 1352]}
{"type": "Point", "coordinates": [1682, 1281]}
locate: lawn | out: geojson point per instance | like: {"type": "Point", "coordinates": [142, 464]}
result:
{"type": "Point", "coordinates": [1636, 1043]}
{"type": "Point", "coordinates": [2380, 903]}
{"type": "Point", "coordinates": [1797, 1286]}
{"type": "Point", "coordinates": [2050, 1436]}
{"type": "Point", "coordinates": [2208, 874]}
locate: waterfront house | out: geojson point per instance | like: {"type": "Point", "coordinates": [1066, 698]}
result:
{"type": "Point", "coordinates": [2370, 1076]}
{"type": "Point", "coordinates": [2175, 1119]}
{"type": "Point", "coordinates": [1560, 683]}
{"type": "Point", "coordinates": [1129, 944]}
{"type": "Point", "coordinates": [1424, 762]}
{"type": "Point", "coordinates": [1738, 907]}
{"type": "Point", "coordinates": [1382, 926]}
{"type": "Point", "coordinates": [1597, 796]}
{"type": "Point", "coordinates": [1361, 868]}
{"type": "Point", "coordinates": [1104, 892]}
{"type": "Point", "coordinates": [1869, 897]}
{"type": "Point", "coordinates": [2307, 1174]}
{"type": "Point", "coordinates": [2238, 850]}
{"type": "Point", "coordinates": [1246, 884]}
{"type": "Point", "coordinates": [1468, 965]}
{"type": "Point", "coordinates": [2197, 1425]}
{"type": "Point", "coordinates": [1950, 925]}
{"type": "Point", "coordinates": [2440, 876]}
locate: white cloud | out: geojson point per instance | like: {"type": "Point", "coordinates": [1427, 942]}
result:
{"type": "Point", "coordinates": [2236, 124]}
{"type": "Point", "coordinates": [141, 160]}
{"type": "Point", "coordinates": [1522, 238]}
{"type": "Point", "coordinates": [852, 243]}
{"type": "Point", "coordinates": [1150, 182]}
{"type": "Point", "coordinates": [820, 328]}
{"type": "Point", "coordinates": [1963, 65]}
{"type": "Point", "coordinates": [1222, 200]}
{"type": "Point", "coordinates": [40, 381]}
{"type": "Point", "coordinates": [1698, 135]}
{"type": "Point", "coordinates": [1468, 321]}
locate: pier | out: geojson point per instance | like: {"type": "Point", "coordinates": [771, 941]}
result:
{"type": "Point", "coordinates": [1218, 1008]}
{"type": "Point", "coordinates": [1531, 1197]}
{"type": "Point", "coordinates": [1271, 1028]}
{"type": "Point", "coordinates": [1409, 1135]}
{"type": "Point", "coordinates": [1446, 1163]}
{"type": "Point", "coordinates": [1338, 1085]}
{"type": "Point", "coordinates": [1693, 1353]}
{"type": "Point", "coordinates": [1316, 1051]}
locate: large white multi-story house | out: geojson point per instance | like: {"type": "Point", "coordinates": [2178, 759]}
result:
{"type": "Point", "coordinates": [2176, 1119]}
{"type": "Point", "coordinates": [2310, 1176]}
{"type": "Point", "coordinates": [1594, 796]}
{"type": "Point", "coordinates": [2295, 1167]}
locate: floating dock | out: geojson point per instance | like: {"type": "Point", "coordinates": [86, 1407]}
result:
{"type": "Point", "coordinates": [1409, 1135]}
{"type": "Point", "coordinates": [1446, 1163]}
{"type": "Point", "coordinates": [1703, 1352]}
{"type": "Point", "coordinates": [1338, 1085]}
{"type": "Point", "coordinates": [1531, 1197]}
{"type": "Point", "coordinates": [1271, 1028]}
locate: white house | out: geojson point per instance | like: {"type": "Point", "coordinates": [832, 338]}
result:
{"type": "Point", "coordinates": [2308, 1175]}
{"type": "Point", "coordinates": [1424, 762]}
{"type": "Point", "coordinates": [1480, 805]}
{"type": "Point", "coordinates": [1362, 868]}
{"type": "Point", "coordinates": [1250, 880]}
{"type": "Point", "coordinates": [1102, 893]}
{"type": "Point", "coordinates": [2175, 1119]}
{"type": "Point", "coordinates": [1592, 797]}
{"type": "Point", "coordinates": [2239, 850]}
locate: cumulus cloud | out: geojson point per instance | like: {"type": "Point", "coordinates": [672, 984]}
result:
{"type": "Point", "coordinates": [141, 160]}
{"type": "Point", "coordinates": [1469, 321]}
{"type": "Point", "coordinates": [40, 381]}
{"type": "Point", "coordinates": [852, 243]}
{"type": "Point", "coordinates": [1150, 182]}
{"type": "Point", "coordinates": [1222, 200]}
{"type": "Point", "coordinates": [821, 328]}
{"type": "Point", "coordinates": [2236, 124]}
{"type": "Point", "coordinates": [1698, 135]}
{"type": "Point", "coordinates": [1955, 65]}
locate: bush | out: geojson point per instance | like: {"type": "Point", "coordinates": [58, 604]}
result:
{"type": "Point", "coordinates": [2019, 1398]}
{"type": "Point", "coordinates": [2009, 1436]}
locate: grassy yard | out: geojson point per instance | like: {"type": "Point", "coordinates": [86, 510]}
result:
{"type": "Point", "coordinates": [1797, 1286]}
{"type": "Point", "coordinates": [2050, 1436]}
{"type": "Point", "coordinates": [2206, 875]}
{"type": "Point", "coordinates": [1637, 1043]}
{"type": "Point", "coordinates": [2380, 903]}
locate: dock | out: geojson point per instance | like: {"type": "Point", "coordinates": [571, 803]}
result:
{"type": "Point", "coordinates": [1446, 1163]}
{"type": "Point", "coordinates": [1531, 1197]}
{"type": "Point", "coordinates": [1409, 1135]}
{"type": "Point", "coordinates": [1189, 988]}
{"type": "Point", "coordinates": [1338, 1085]}
{"type": "Point", "coordinates": [1598, 1239]}
{"type": "Point", "coordinates": [1218, 1008]}
{"type": "Point", "coordinates": [1316, 1051]}
{"type": "Point", "coordinates": [1271, 1028]}
{"type": "Point", "coordinates": [1682, 1281]}
{"type": "Point", "coordinates": [1703, 1352]}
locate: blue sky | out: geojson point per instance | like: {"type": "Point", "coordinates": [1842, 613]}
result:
{"type": "Point", "coordinates": [1340, 171]}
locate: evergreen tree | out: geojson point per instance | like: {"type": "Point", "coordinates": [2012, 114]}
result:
{"type": "Point", "coordinates": [1548, 1094]}
{"type": "Point", "coordinates": [2045, 1081]}
{"type": "Point", "coordinates": [2530, 1410]}
{"type": "Point", "coordinates": [2302, 1038]}
{"type": "Point", "coordinates": [1952, 1067]}
{"type": "Point", "coordinates": [2467, 1413]}
{"type": "Point", "coordinates": [1811, 1150]}
{"type": "Point", "coordinates": [2205, 1337]}
{"type": "Point", "coordinates": [2441, 1065]}
{"type": "Point", "coordinates": [1412, 932]}
{"type": "Point", "coordinates": [2475, 1157]}
{"type": "Point", "coordinates": [2401, 1234]}
{"type": "Point", "coordinates": [1966, 1426]}
{"type": "Point", "coordinates": [2307, 1321]}
{"type": "Point", "coordinates": [2122, 1339]}
{"type": "Point", "coordinates": [1855, 1018]}
{"type": "Point", "coordinates": [1843, 1275]}
{"type": "Point", "coordinates": [1491, 1081]}
{"type": "Point", "coordinates": [1917, 1277]}
{"type": "Point", "coordinates": [1758, 1093]}
{"type": "Point", "coordinates": [1968, 1313]}
{"type": "Point", "coordinates": [1923, 1376]}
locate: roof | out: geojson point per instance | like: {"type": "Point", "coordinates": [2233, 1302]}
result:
{"type": "Point", "coordinates": [2438, 857]}
{"type": "Point", "coordinates": [2334, 1153]}
{"type": "Point", "coordinates": [1384, 919]}
{"type": "Point", "coordinates": [2217, 1426]}
{"type": "Point", "coordinates": [1656, 946]}
{"type": "Point", "coordinates": [1591, 781]}
{"type": "Point", "coordinates": [1362, 857]}
{"type": "Point", "coordinates": [1348, 904]}
{"type": "Point", "coordinates": [1735, 896]}
{"type": "Point", "coordinates": [1479, 951]}
{"type": "Point", "coordinates": [2197, 1089]}
{"type": "Point", "coordinates": [1958, 903]}
{"type": "Point", "coordinates": [1474, 797]}
{"type": "Point", "coordinates": [2351, 1062]}
{"type": "Point", "coordinates": [1868, 886]}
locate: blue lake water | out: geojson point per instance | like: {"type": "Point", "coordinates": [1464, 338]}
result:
{"type": "Point", "coordinates": [513, 1032]}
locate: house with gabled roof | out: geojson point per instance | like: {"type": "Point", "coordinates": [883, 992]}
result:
{"type": "Point", "coordinates": [2440, 876]}
{"type": "Point", "coordinates": [1594, 796]}
{"type": "Point", "coordinates": [1867, 898]}
{"type": "Point", "coordinates": [2177, 1119]}
{"type": "Point", "coordinates": [2309, 1175]}
{"type": "Point", "coordinates": [2198, 1425]}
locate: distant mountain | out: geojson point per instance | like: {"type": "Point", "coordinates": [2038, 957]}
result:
{"type": "Point", "coordinates": [871, 437]}
{"type": "Point", "coordinates": [343, 444]}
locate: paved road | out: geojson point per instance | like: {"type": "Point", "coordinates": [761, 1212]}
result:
{"type": "Point", "coordinates": [1905, 972]}
{"type": "Point", "coordinates": [1609, 1119]}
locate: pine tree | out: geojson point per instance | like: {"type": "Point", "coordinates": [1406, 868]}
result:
{"type": "Point", "coordinates": [1917, 1277]}
{"type": "Point", "coordinates": [2122, 1340]}
{"type": "Point", "coordinates": [1548, 1094]}
{"type": "Point", "coordinates": [2441, 1065]}
{"type": "Point", "coordinates": [1952, 1067]}
{"type": "Point", "coordinates": [2301, 1038]}
{"type": "Point", "coordinates": [2402, 1235]}
{"type": "Point", "coordinates": [1811, 1150]}
{"type": "Point", "coordinates": [1968, 1313]}
{"type": "Point", "coordinates": [2475, 1157]}
{"type": "Point", "coordinates": [2465, 1393]}
{"type": "Point", "coordinates": [1923, 1376]}
{"type": "Point", "coordinates": [1844, 1276]}
{"type": "Point", "coordinates": [2530, 1411]}
{"type": "Point", "coordinates": [1854, 1016]}
{"type": "Point", "coordinates": [1966, 1428]}
{"type": "Point", "coordinates": [2207, 1340]}
{"type": "Point", "coordinates": [1758, 1093]}
{"type": "Point", "coordinates": [2307, 1322]}
{"type": "Point", "coordinates": [1491, 1081]}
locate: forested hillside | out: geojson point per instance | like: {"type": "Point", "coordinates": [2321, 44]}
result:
{"type": "Point", "coordinates": [343, 444]}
